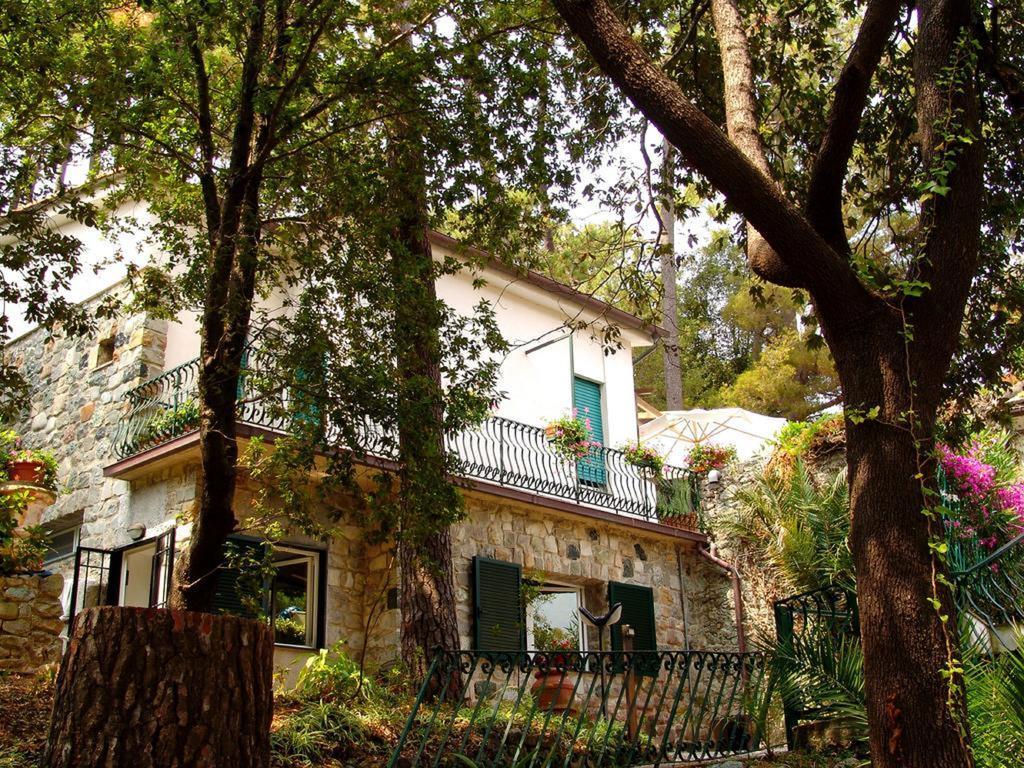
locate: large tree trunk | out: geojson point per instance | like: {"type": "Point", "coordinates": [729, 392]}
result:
{"type": "Point", "coordinates": [149, 688]}
{"type": "Point", "coordinates": [428, 503]}
{"type": "Point", "coordinates": [891, 352]}
{"type": "Point", "coordinates": [669, 285]}
{"type": "Point", "coordinates": [906, 645]}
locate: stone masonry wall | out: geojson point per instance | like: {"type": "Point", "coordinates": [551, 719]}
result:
{"type": "Point", "coordinates": [571, 549]}
{"type": "Point", "coordinates": [76, 406]}
{"type": "Point", "coordinates": [30, 623]}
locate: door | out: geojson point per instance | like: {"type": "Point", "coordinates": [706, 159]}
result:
{"type": "Point", "coordinates": [586, 398]}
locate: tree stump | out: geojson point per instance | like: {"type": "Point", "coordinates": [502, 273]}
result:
{"type": "Point", "coordinates": [149, 688]}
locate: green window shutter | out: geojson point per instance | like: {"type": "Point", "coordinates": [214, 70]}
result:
{"type": "Point", "coordinates": [586, 399]}
{"type": "Point", "coordinates": [637, 612]}
{"type": "Point", "coordinates": [498, 622]}
{"type": "Point", "coordinates": [230, 582]}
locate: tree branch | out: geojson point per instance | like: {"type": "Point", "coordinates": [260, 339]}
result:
{"type": "Point", "coordinates": [211, 200]}
{"type": "Point", "coordinates": [709, 151]}
{"type": "Point", "coordinates": [824, 205]}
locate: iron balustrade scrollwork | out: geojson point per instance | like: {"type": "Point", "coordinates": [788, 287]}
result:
{"type": "Point", "coordinates": [499, 450]}
{"type": "Point", "coordinates": [583, 708]}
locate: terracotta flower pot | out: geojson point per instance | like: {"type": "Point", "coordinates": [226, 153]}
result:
{"type": "Point", "coordinates": [684, 522]}
{"type": "Point", "coordinates": [554, 692]}
{"type": "Point", "coordinates": [549, 431]}
{"type": "Point", "coordinates": [26, 472]}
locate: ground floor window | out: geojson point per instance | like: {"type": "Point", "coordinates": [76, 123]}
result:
{"type": "Point", "coordinates": [282, 586]}
{"type": "Point", "coordinates": [62, 544]}
{"type": "Point", "coordinates": [293, 596]}
{"type": "Point", "coordinates": [553, 619]}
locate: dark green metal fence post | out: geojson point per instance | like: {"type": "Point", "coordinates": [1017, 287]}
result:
{"type": "Point", "coordinates": [784, 633]}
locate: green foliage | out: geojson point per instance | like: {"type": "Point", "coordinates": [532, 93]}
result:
{"type": "Point", "coordinates": [795, 529]}
{"type": "Point", "coordinates": [20, 550]}
{"type": "Point", "coordinates": [169, 423]}
{"type": "Point", "coordinates": [995, 703]}
{"type": "Point", "coordinates": [811, 439]}
{"type": "Point", "coordinates": [643, 457]}
{"type": "Point", "coordinates": [331, 675]}
{"type": "Point", "coordinates": [569, 437]}
{"type": "Point", "coordinates": [676, 498]}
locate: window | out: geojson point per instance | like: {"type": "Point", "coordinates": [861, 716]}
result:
{"type": "Point", "coordinates": [62, 544]}
{"type": "Point", "coordinates": [586, 398]}
{"type": "Point", "coordinates": [290, 596]}
{"type": "Point", "coordinates": [293, 596]}
{"type": "Point", "coordinates": [105, 351]}
{"type": "Point", "coordinates": [553, 620]}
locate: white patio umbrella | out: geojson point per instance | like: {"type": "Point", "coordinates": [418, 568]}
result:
{"type": "Point", "coordinates": [674, 433]}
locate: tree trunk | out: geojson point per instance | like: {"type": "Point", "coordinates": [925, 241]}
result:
{"type": "Point", "coordinates": [428, 503]}
{"type": "Point", "coordinates": [669, 286]}
{"type": "Point", "coordinates": [147, 688]}
{"type": "Point", "coordinates": [906, 645]}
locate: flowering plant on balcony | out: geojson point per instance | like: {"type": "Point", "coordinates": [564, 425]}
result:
{"type": "Point", "coordinates": [643, 457]}
{"type": "Point", "coordinates": [171, 423]}
{"type": "Point", "coordinates": [983, 499]}
{"type": "Point", "coordinates": [570, 436]}
{"type": "Point", "coordinates": [703, 457]}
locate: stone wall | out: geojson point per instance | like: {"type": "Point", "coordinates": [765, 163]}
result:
{"type": "Point", "coordinates": [76, 405]}
{"type": "Point", "coordinates": [692, 608]}
{"type": "Point", "coordinates": [30, 623]}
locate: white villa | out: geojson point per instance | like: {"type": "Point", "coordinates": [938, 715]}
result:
{"type": "Point", "coordinates": [589, 534]}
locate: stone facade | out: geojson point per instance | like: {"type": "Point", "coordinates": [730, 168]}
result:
{"type": "Point", "coordinates": [691, 604]}
{"type": "Point", "coordinates": [77, 404]}
{"type": "Point", "coordinates": [30, 623]}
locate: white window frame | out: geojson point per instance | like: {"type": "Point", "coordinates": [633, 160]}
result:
{"type": "Point", "coordinates": [312, 559]}
{"type": "Point", "coordinates": [549, 587]}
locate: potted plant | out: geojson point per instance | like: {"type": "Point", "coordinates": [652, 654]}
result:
{"type": "Point", "coordinates": [570, 436]}
{"type": "Point", "coordinates": [644, 458]}
{"type": "Point", "coordinates": [32, 467]}
{"type": "Point", "coordinates": [704, 457]}
{"type": "Point", "coordinates": [170, 423]}
{"type": "Point", "coordinates": [677, 507]}
{"type": "Point", "coordinates": [554, 688]}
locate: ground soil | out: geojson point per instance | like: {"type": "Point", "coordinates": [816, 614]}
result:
{"type": "Point", "coordinates": [25, 703]}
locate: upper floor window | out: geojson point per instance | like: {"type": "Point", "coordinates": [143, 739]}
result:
{"type": "Point", "coordinates": [587, 402]}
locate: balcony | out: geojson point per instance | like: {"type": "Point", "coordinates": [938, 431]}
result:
{"type": "Point", "coordinates": [499, 452]}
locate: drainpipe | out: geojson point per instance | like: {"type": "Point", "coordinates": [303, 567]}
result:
{"type": "Point", "coordinates": [737, 591]}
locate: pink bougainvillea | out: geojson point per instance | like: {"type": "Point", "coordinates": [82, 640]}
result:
{"type": "Point", "coordinates": [980, 506]}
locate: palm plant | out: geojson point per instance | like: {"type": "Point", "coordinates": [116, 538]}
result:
{"type": "Point", "coordinates": [796, 528]}
{"type": "Point", "coordinates": [995, 705]}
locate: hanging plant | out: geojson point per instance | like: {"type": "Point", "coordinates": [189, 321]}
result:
{"type": "Point", "coordinates": [643, 457]}
{"type": "Point", "coordinates": [703, 458]}
{"type": "Point", "coordinates": [570, 437]}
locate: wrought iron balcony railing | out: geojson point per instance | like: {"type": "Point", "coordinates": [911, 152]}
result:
{"type": "Point", "coordinates": [499, 451]}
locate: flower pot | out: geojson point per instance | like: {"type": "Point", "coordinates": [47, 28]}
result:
{"type": "Point", "coordinates": [554, 692]}
{"type": "Point", "coordinates": [683, 522]}
{"type": "Point", "coordinates": [26, 472]}
{"type": "Point", "coordinates": [549, 431]}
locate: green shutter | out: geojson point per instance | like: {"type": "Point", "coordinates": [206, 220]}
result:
{"type": "Point", "coordinates": [637, 612]}
{"type": "Point", "coordinates": [498, 621]}
{"type": "Point", "coordinates": [230, 582]}
{"type": "Point", "coordinates": [586, 398]}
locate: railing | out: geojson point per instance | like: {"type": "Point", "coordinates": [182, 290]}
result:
{"type": "Point", "coordinates": [572, 708]}
{"type": "Point", "coordinates": [802, 622]}
{"type": "Point", "coordinates": [499, 450]}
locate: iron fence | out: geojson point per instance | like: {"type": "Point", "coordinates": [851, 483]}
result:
{"type": "Point", "coordinates": [499, 450]}
{"type": "Point", "coordinates": [574, 709]}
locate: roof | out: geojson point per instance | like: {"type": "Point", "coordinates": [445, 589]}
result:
{"type": "Point", "coordinates": [603, 309]}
